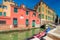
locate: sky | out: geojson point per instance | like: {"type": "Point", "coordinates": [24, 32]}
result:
{"type": "Point", "coordinates": [54, 4]}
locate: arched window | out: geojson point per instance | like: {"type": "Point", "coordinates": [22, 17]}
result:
{"type": "Point", "coordinates": [27, 22]}
{"type": "Point", "coordinates": [33, 23]}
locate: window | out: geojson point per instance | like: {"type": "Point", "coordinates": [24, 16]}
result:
{"type": "Point", "coordinates": [2, 22]}
{"type": "Point", "coordinates": [27, 22]}
{"type": "Point", "coordinates": [26, 12]}
{"type": "Point", "coordinates": [42, 8]}
{"type": "Point", "coordinates": [15, 21]}
{"type": "Point", "coordinates": [52, 19]}
{"type": "Point", "coordinates": [49, 12]}
{"type": "Point", "coordinates": [4, 7]}
{"type": "Point", "coordinates": [42, 16]}
{"type": "Point", "coordinates": [0, 13]}
{"type": "Point", "coordinates": [9, 0]}
{"type": "Point", "coordinates": [0, 6]}
{"type": "Point", "coordinates": [15, 10]}
{"type": "Point", "coordinates": [33, 23]}
{"type": "Point", "coordinates": [49, 18]}
{"type": "Point", "coordinates": [46, 11]}
{"type": "Point", "coordinates": [39, 9]}
{"type": "Point", "coordinates": [39, 16]}
{"type": "Point", "coordinates": [46, 17]}
{"type": "Point", "coordinates": [34, 14]}
{"type": "Point", "coordinates": [5, 0]}
{"type": "Point", "coordinates": [4, 13]}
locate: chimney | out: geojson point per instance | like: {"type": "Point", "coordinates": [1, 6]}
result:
{"type": "Point", "coordinates": [22, 6]}
{"type": "Point", "coordinates": [7, 0]}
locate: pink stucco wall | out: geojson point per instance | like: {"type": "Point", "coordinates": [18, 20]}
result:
{"type": "Point", "coordinates": [21, 22]}
{"type": "Point", "coordinates": [22, 12]}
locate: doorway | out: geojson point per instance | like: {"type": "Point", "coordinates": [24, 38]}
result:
{"type": "Point", "coordinates": [15, 22]}
{"type": "Point", "coordinates": [33, 23]}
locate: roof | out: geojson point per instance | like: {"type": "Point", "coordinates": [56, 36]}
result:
{"type": "Point", "coordinates": [28, 9]}
{"type": "Point", "coordinates": [44, 3]}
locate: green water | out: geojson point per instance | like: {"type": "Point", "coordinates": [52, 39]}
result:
{"type": "Point", "coordinates": [18, 35]}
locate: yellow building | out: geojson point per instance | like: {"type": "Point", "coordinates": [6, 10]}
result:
{"type": "Point", "coordinates": [46, 14]}
{"type": "Point", "coordinates": [1, 8]}
{"type": "Point", "coordinates": [5, 7]}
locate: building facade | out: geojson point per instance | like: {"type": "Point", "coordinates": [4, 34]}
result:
{"type": "Point", "coordinates": [14, 17]}
{"type": "Point", "coordinates": [59, 20]}
{"type": "Point", "coordinates": [46, 14]}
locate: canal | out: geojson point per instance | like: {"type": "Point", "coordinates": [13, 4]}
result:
{"type": "Point", "coordinates": [18, 34]}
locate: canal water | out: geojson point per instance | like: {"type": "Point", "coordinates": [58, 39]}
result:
{"type": "Point", "coordinates": [18, 35]}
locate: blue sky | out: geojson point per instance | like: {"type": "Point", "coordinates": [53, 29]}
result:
{"type": "Point", "coordinates": [54, 4]}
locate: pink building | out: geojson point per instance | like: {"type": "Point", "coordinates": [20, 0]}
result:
{"type": "Point", "coordinates": [24, 17]}
{"type": "Point", "coordinates": [20, 18]}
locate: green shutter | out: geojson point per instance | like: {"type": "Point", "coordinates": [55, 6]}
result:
{"type": "Point", "coordinates": [39, 9]}
{"type": "Point", "coordinates": [42, 16]}
{"type": "Point", "coordinates": [33, 23]}
{"type": "Point", "coordinates": [46, 17]}
{"type": "Point", "coordinates": [27, 22]}
{"type": "Point", "coordinates": [4, 13]}
{"type": "Point", "coordinates": [26, 12]}
{"type": "Point", "coordinates": [49, 18]}
{"type": "Point", "coordinates": [42, 8]}
{"type": "Point", "coordinates": [0, 13]}
{"type": "Point", "coordinates": [15, 10]}
{"type": "Point", "coordinates": [49, 12]}
{"type": "Point", "coordinates": [46, 11]}
{"type": "Point", "coordinates": [15, 21]}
